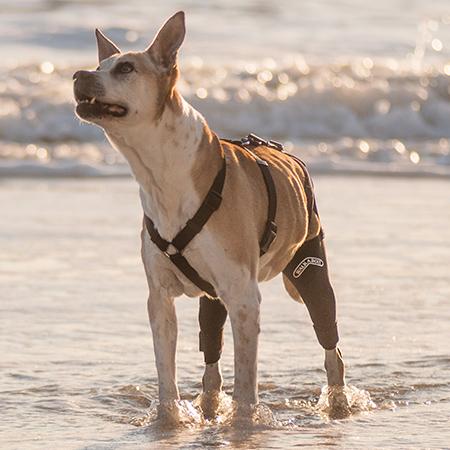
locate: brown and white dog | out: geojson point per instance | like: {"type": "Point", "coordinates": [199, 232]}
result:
{"type": "Point", "coordinates": [174, 157]}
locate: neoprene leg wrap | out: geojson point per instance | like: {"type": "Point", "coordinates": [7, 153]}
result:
{"type": "Point", "coordinates": [308, 272]}
{"type": "Point", "coordinates": [212, 316]}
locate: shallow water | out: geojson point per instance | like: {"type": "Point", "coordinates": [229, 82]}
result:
{"type": "Point", "coordinates": [77, 367]}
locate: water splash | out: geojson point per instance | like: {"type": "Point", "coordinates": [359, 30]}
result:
{"type": "Point", "coordinates": [179, 413]}
{"type": "Point", "coordinates": [216, 406]}
{"type": "Point", "coordinates": [251, 416]}
{"type": "Point", "coordinates": [263, 415]}
{"type": "Point", "coordinates": [219, 408]}
{"type": "Point", "coordinates": [339, 402]}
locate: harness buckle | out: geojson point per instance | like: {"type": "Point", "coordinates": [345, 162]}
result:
{"type": "Point", "coordinates": [276, 145]}
{"type": "Point", "coordinates": [269, 236]}
{"type": "Point", "coordinates": [261, 162]}
{"type": "Point", "coordinates": [244, 142]}
{"type": "Point", "coordinates": [256, 140]}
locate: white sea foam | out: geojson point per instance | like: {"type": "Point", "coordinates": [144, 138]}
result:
{"type": "Point", "coordinates": [359, 116]}
{"type": "Point", "coordinates": [346, 92]}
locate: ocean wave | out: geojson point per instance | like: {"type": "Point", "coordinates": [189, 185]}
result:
{"type": "Point", "coordinates": [346, 156]}
{"type": "Point", "coordinates": [393, 115]}
{"type": "Point", "coordinates": [360, 99]}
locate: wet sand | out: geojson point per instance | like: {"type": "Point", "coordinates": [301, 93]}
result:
{"type": "Point", "coordinates": [77, 367]}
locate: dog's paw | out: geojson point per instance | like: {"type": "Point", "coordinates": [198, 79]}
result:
{"type": "Point", "coordinates": [339, 402]}
{"type": "Point", "coordinates": [248, 416]}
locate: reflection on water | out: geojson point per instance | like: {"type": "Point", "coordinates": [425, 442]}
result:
{"type": "Point", "coordinates": [287, 416]}
{"type": "Point", "coordinates": [77, 362]}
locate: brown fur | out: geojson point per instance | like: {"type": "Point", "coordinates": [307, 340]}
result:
{"type": "Point", "coordinates": [168, 96]}
{"type": "Point", "coordinates": [240, 221]}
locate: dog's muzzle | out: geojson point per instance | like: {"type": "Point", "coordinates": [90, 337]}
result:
{"type": "Point", "coordinates": [87, 89]}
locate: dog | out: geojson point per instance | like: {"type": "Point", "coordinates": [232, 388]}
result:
{"type": "Point", "coordinates": [175, 156]}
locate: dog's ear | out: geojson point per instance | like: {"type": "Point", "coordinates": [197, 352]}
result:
{"type": "Point", "coordinates": [106, 48]}
{"type": "Point", "coordinates": [164, 48]}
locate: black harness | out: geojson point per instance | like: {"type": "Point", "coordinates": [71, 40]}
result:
{"type": "Point", "coordinates": [270, 230]}
{"type": "Point", "coordinates": [174, 249]}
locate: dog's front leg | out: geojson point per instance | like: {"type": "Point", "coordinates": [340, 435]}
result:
{"type": "Point", "coordinates": [212, 316]}
{"type": "Point", "coordinates": [243, 308]}
{"type": "Point", "coordinates": [163, 322]}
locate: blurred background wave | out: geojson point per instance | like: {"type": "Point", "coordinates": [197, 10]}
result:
{"type": "Point", "coordinates": [351, 86]}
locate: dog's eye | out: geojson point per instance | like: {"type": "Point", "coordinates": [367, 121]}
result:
{"type": "Point", "coordinates": [125, 67]}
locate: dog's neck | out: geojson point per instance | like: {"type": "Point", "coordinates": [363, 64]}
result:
{"type": "Point", "coordinates": [174, 160]}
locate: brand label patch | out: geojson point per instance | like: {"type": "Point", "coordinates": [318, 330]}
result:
{"type": "Point", "coordinates": [310, 260]}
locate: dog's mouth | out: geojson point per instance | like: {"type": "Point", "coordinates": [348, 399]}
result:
{"type": "Point", "coordinates": [91, 107]}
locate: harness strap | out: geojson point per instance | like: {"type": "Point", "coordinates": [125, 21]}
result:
{"type": "Point", "coordinates": [193, 226]}
{"type": "Point", "coordinates": [248, 143]}
{"type": "Point", "coordinates": [209, 205]}
{"type": "Point", "coordinates": [311, 203]}
{"type": "Point", "coordinates": [179, 260]}
{"type": "Point", "coordinates": [270, 230]}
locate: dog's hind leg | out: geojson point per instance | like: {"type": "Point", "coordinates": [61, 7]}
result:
{"type": "Point", "coordinates": [308, 274]}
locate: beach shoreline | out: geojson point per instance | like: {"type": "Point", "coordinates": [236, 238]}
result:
{"type": "Point", "coordinates": [77, 361]}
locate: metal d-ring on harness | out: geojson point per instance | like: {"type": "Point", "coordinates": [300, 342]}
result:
{"type": "Point", "coordinates": [210, 204]}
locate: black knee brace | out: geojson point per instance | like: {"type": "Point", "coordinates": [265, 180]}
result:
{"type": "Point", "coordinates": [212, 316]}
{"type": "Point", "coordinates": [308, 272]}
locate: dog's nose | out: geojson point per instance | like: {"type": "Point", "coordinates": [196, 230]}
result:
{"type": "Point", "coordinates": [80, 74]}
{"type": "Point", "coordinates": [87, 85]}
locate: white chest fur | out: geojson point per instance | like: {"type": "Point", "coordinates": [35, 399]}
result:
{"type": "Point", "coordinates": [162, 158]}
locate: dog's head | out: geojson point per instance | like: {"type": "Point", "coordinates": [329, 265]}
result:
{"type": "Point", "coordinates": [130, 87]}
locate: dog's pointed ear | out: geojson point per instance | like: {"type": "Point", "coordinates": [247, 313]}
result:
{"type": "Point", "coordinates": [106, 48]}
{"type": "Point", "coordinates": [165, 46]}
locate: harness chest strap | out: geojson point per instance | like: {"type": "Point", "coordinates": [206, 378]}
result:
{"type": "Point", "coordinates": [193, 226]}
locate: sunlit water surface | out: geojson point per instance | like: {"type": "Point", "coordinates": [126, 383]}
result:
{"type": "Point", "coordinates": [77, 367]}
